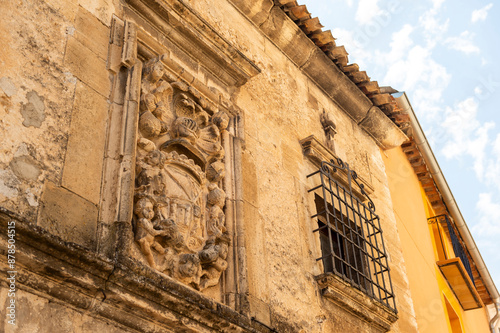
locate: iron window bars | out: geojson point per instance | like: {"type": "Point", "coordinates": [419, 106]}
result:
{"type": "Point", "coordinates": [351, 239]}
{"type": "Point", "coordinates": [458, 248]}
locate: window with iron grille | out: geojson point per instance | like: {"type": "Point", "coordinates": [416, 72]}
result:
{"type": "Point", "coordinates": [352, 246]}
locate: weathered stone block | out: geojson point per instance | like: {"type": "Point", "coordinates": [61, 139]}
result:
{"type": "Point", "coordinates": [292, 158]}
{"type": "Point", "coordinates": [102, 9]}
{"type": "Point", "coordinates": [65, 8]}
{"type": "Point", "coordinates": [257, 11]}
{"type": "Point", "coordinates": [287, 36]}
{"type": "Point", "coordinates": [92, 33]}
{"type": "Point", "coordinates": [260, 310]}
{"type": "Point", "coordinates": [68, 215]}
{"type": "Point", "coordinates": [250, 190]}
{"type": "Point", "coordinates": [382, 129]}
{"type": "Point", "coordinates": [257, 252]}
{"type": "Point", "coordinates": [87, 66]}
{"type": "Point", "coordinates": [84, 157]}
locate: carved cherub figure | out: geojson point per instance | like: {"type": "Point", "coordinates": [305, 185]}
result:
{"type": "Point", "coordinates": [156, 94]}
{"type": "Point", "coordinates": [213, 259]}
{"type": "Point", "coordinates": [216, 220]}
{"type": "Point", "coordinates": [150, 179]}
{"type": "Point", "coordinates": [185, 128]}
{"type": "Point", "coordinates": [145, 232]}
{"type": "Point", "coordinates": [189, 268]}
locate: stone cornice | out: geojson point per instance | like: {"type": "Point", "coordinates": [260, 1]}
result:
{"type": "Point", "coordinates": [108, 288]}
{"type": "Point", "coordinates": [301, 50]}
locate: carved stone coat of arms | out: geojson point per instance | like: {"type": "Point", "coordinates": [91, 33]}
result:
{"type": "Point", "coordinates": [179, 222]}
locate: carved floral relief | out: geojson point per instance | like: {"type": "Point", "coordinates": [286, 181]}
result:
{"type": "Point", "coordinates": [179, 222]}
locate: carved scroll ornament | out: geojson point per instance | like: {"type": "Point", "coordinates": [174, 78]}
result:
{"type": "Point", "coordinates": [179, 221]}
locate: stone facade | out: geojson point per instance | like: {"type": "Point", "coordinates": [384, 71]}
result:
{"type": "Point", "coordinates": [154, 162]}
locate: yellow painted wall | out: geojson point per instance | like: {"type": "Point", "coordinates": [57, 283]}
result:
{"type": "Point", "coordinates": [436, 307]}
{"type": "Point", "coordinates": [418, 250]}
{"type": "Point", "coordinates": [476, 321]}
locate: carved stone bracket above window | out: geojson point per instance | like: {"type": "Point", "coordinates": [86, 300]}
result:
{"type": "Point", "coordinates": [328, 123]}
{"type": "Point", "coordinates": [318, 152]}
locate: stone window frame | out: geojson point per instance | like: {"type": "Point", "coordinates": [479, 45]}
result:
{"type": "Point", "coordinates": [149, 29]}
{"type": "Point", "coordinates": [332, 288]}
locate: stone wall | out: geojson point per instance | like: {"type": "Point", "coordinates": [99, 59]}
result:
{"type": "Point", "coordinates": [64, 161]}
{"type": "Point", "coordinates": [54, 109]}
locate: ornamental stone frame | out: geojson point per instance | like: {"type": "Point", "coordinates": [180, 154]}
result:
{"type": "Point", "coordinates": [171, 185]}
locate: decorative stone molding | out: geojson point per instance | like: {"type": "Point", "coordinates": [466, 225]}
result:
{"type": "Point", "coordinates": [356, 302]}
{"type": "Point", "coordinates": [382, 129]}
{"type": "Point", "coordinates": [123, 45]}
{"type": "Point", "coordinates": [328, 123]}
{"type": "Point", "coordinates": [317, 152]}
{"type": "Point", "coordinates": [196, 38]}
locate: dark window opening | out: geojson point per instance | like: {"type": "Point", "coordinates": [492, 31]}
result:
{"type": "Point", "coordinates": [347, 255]}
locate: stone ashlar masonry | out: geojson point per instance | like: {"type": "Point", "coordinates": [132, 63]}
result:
{"type": "Point", "coordinates": [70, 94]}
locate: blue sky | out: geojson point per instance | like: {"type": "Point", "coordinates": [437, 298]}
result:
{"type": "Point", "coordinates": [446, 56]}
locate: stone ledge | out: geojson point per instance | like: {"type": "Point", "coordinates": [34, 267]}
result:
{"type": "Point", "coordinates": [350, 299]}
{"type": "Point", "coordinates": [79, 278]}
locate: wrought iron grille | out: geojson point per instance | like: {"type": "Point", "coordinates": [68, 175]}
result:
{"type": "Point", "coordinates": [351, 239]}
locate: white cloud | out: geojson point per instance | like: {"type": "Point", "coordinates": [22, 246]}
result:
{"type": "Point", "coordinates": [463, 43]}
{"type": "Point", "coordinates": [466, 136]}
{"type": "Point", "coordinates": [412, 67]}
{"type": "Point", "coordinates": [488, 224]}
{"type": "Point", "coordinates": [478, 91]}
{"type": "Point", "coordinates": [492, 172]}
{"type": "Point", "coordinates": [496, 146]}
{"type": "Point", "coordinates": [437, 3]}
{"type": "Point", "coordinates": [486, 230]}
{"type": "Point", "coordinates": [419, 74]}
{"type": "Point", "coordinates": [400, 43]}
{"type": "Point", "coordinates": [434, 27]}
{"type": "Point", "coordinates": [481, 14]}
{"type": "Point", "coordinates": [367, 11]}
{"type": "Point", "coordinates": [355, 43]}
